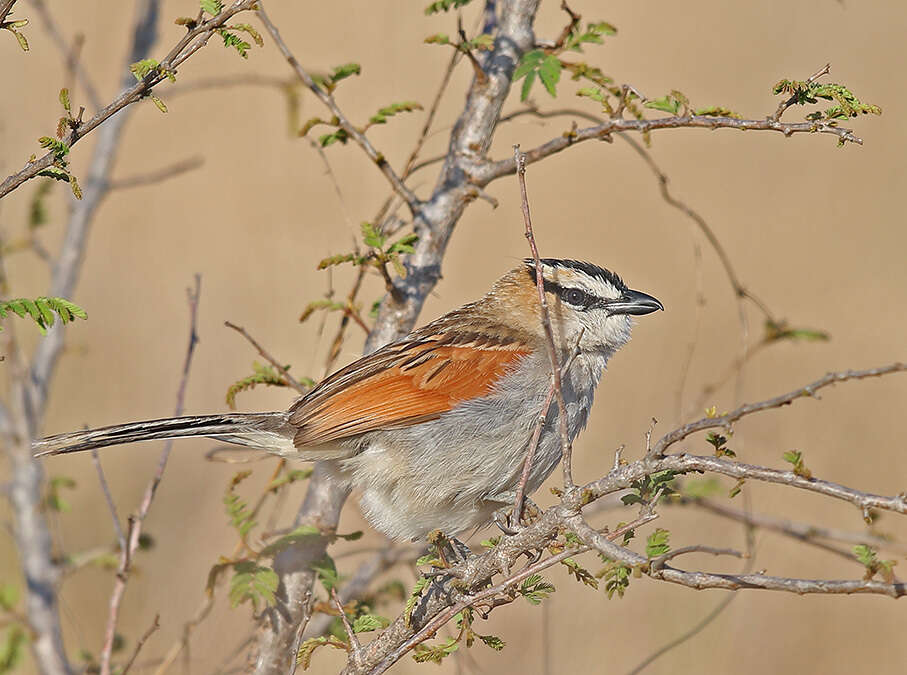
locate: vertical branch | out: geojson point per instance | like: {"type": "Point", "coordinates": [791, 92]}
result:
{"type": "Point", "coordinates": [136, 521]}
{"type": "Point", "coordinates": [566, 447]}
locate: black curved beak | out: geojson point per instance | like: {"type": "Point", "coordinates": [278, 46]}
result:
{"type": "Point", "coordinates": [634, 302]}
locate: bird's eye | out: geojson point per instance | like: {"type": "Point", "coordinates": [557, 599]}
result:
{"type": "Point", "coordinates": [576, 297]}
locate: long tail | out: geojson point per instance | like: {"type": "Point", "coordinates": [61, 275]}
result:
{"type": "Point", "coordinates": [268, 431]}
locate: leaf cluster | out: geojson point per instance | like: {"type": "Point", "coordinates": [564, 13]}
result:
{"type": "Point", "coordinates": [649, 489]}
{"type": "Point", "coordinates": [719, 443]}
{"type": "Point", "coordinates": [658, 543]}
{"type": "Point", "coordinates": [261, 374]}
{"type": "Point", "coordinates": [43, 311]}
{"type": "Point", "coordinates": [13, 27]}
{"type": "Point", "coordinates": [870, 560]}
{"type": "Point", "coordinates": [338, 73]}
{"type": "Point", "coordinates": [381, 253]}
{"type": "Point", "coordinates": [445, 6]}
{"type": "Point", "coordinates": [806, 93]}
{"type": "Point", "coordinates": [795, 457]}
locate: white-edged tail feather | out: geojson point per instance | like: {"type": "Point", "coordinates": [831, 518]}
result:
{"type": "Point", "coordinates": [268, 431]}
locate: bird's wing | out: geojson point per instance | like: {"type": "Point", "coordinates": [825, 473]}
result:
{"type": "Point", "coordinates": [400, 385]}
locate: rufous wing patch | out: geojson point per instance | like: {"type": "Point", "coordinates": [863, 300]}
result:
{"type": "Point", "coordinates": [421, 381]}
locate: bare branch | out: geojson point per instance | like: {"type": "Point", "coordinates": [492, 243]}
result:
{"type": "Point", "coordinates": [141, 643]}
{"type": "Point", "coordinates": [485, 173]}
{"type": "Point", "coordinates": [158, 176]}
{"type": "Point", "coordinates": [808, 533]}
{"type": "Point", "coordinates": [355, 647]}
{"type": "Point", "coordinates": [136, 521]}
{"type": "Point", "coordinates": [5, 7]}
{"type": "Point", "coordinates": [117, 528]}
{"type": "Point", "coordinates": [723, 421]}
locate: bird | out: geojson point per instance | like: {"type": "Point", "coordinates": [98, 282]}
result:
{"type": "Point", "coordinates": [432, 430]}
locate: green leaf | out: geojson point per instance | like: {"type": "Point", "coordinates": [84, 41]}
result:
{"type": "Point", "coordinates": [869, 559]}
{"type": "Point", "coordinates": [329, 139]}
{"type": "Point", "coordinates": [288, 478]}
{"type": "Point", "coordinates": [717, 111]}
{"type": "Point", "coordinates": [240, 515]}
{"type": "Point", "coordinates": [795, 457]}
{"type": "Point", "coordinates": [493, 641]}
{"type": "Point", "coordinates": [437, 39]}
{"type": "Point", "coordinates": [592, 92]}
{"type": "Point", "coordinates": [425, 653]}
{"type": "Point", "coordinates": [617, 578]}
{"type": "Point", "coordinates": [54, 498]}
{"type": "Point", "coordinates": [262, 374]}
{"type": "Point", "coordinates": [393, 109]}
{"type": "Point", "coordinates": [158, 102]}
{"type": "Point", "coordinates": [580, 573]}
{"type": "Point", "coordinates": [657, 543]}
{"type": "Point", "coordinates": [327, 572]}
{"type": "Point", "coordinates": [369, 622]}
{"type": "Point", "coordinates": [254, 34]}
{"type": "Point", "coordinates": [42, 309]}
{"type": "Point", "coordinates": [344, 71]}
{"type": "Point", "coordinates": [404, 245]}
{"type": "Point", "coordinates": [445, 5]}
{"type": "Point", "coordinates": [64, 99]}
{"type": "Point", "coordinates": [550, 73]}
{"type": "Point", "coordinates": [59, 148]}
{"type": "Point", "coordinates": [9, 597]}
{"type": "Point", "coordinates": [254, 583]}
{"type": "Point", "coordinates": [371, 236]}
{"type": "Point", "coordinates": [212, 7]}
{"type": "Point", "coordinates": [535, 589]}
{"type": "Point", "coordinates": [231, 40]}
{"type": "Point", "coordinates": [414, 595]}
{"type": "Point", "coordinates": [140, 69]}
{"type": "Point", "coordinates": [666, 104]}
{"type": "Point", "coordinates": [298, 535]}
{"type": "Point", "coordinates": [12, 648]}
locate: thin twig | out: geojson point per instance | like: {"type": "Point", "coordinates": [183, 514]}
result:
{"type": "Point", "coordinates": [105, 488]}
{"type": "Point", "coordinates": [158, 176]}
{"type": "Point", "coordinates": [487, 172]}
{"type": "Point", "coordinates": [135, 522]}
{"type": "Point", "coordinates": [566, 449]}
{"type": "Point", "coordinates": [190, 43]}
{"type": "Point", "coordinates": [659, 562]}
{"type": "Point", "coordinates": [784, 105]}
{"type": "Point", "coordinates": [141, 643]}
{"type": "Point", "coordinates": [355, 647]}
{"type": "Point", "coordinates": [378, 158]}
{"type": "Point", "coordinates": [809, 390]}
{"type": "Point", "coordinates": [807, 533]}
{"type": "Point", "coordinates": [77, 67]}
{"type": "Point", "coordinates": [282, 369]}
{"type": "Point", "coordinates": [536, 436]}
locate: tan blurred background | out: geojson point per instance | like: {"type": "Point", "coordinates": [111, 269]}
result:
{"type": "Point", "coordinates": [815, 231]}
